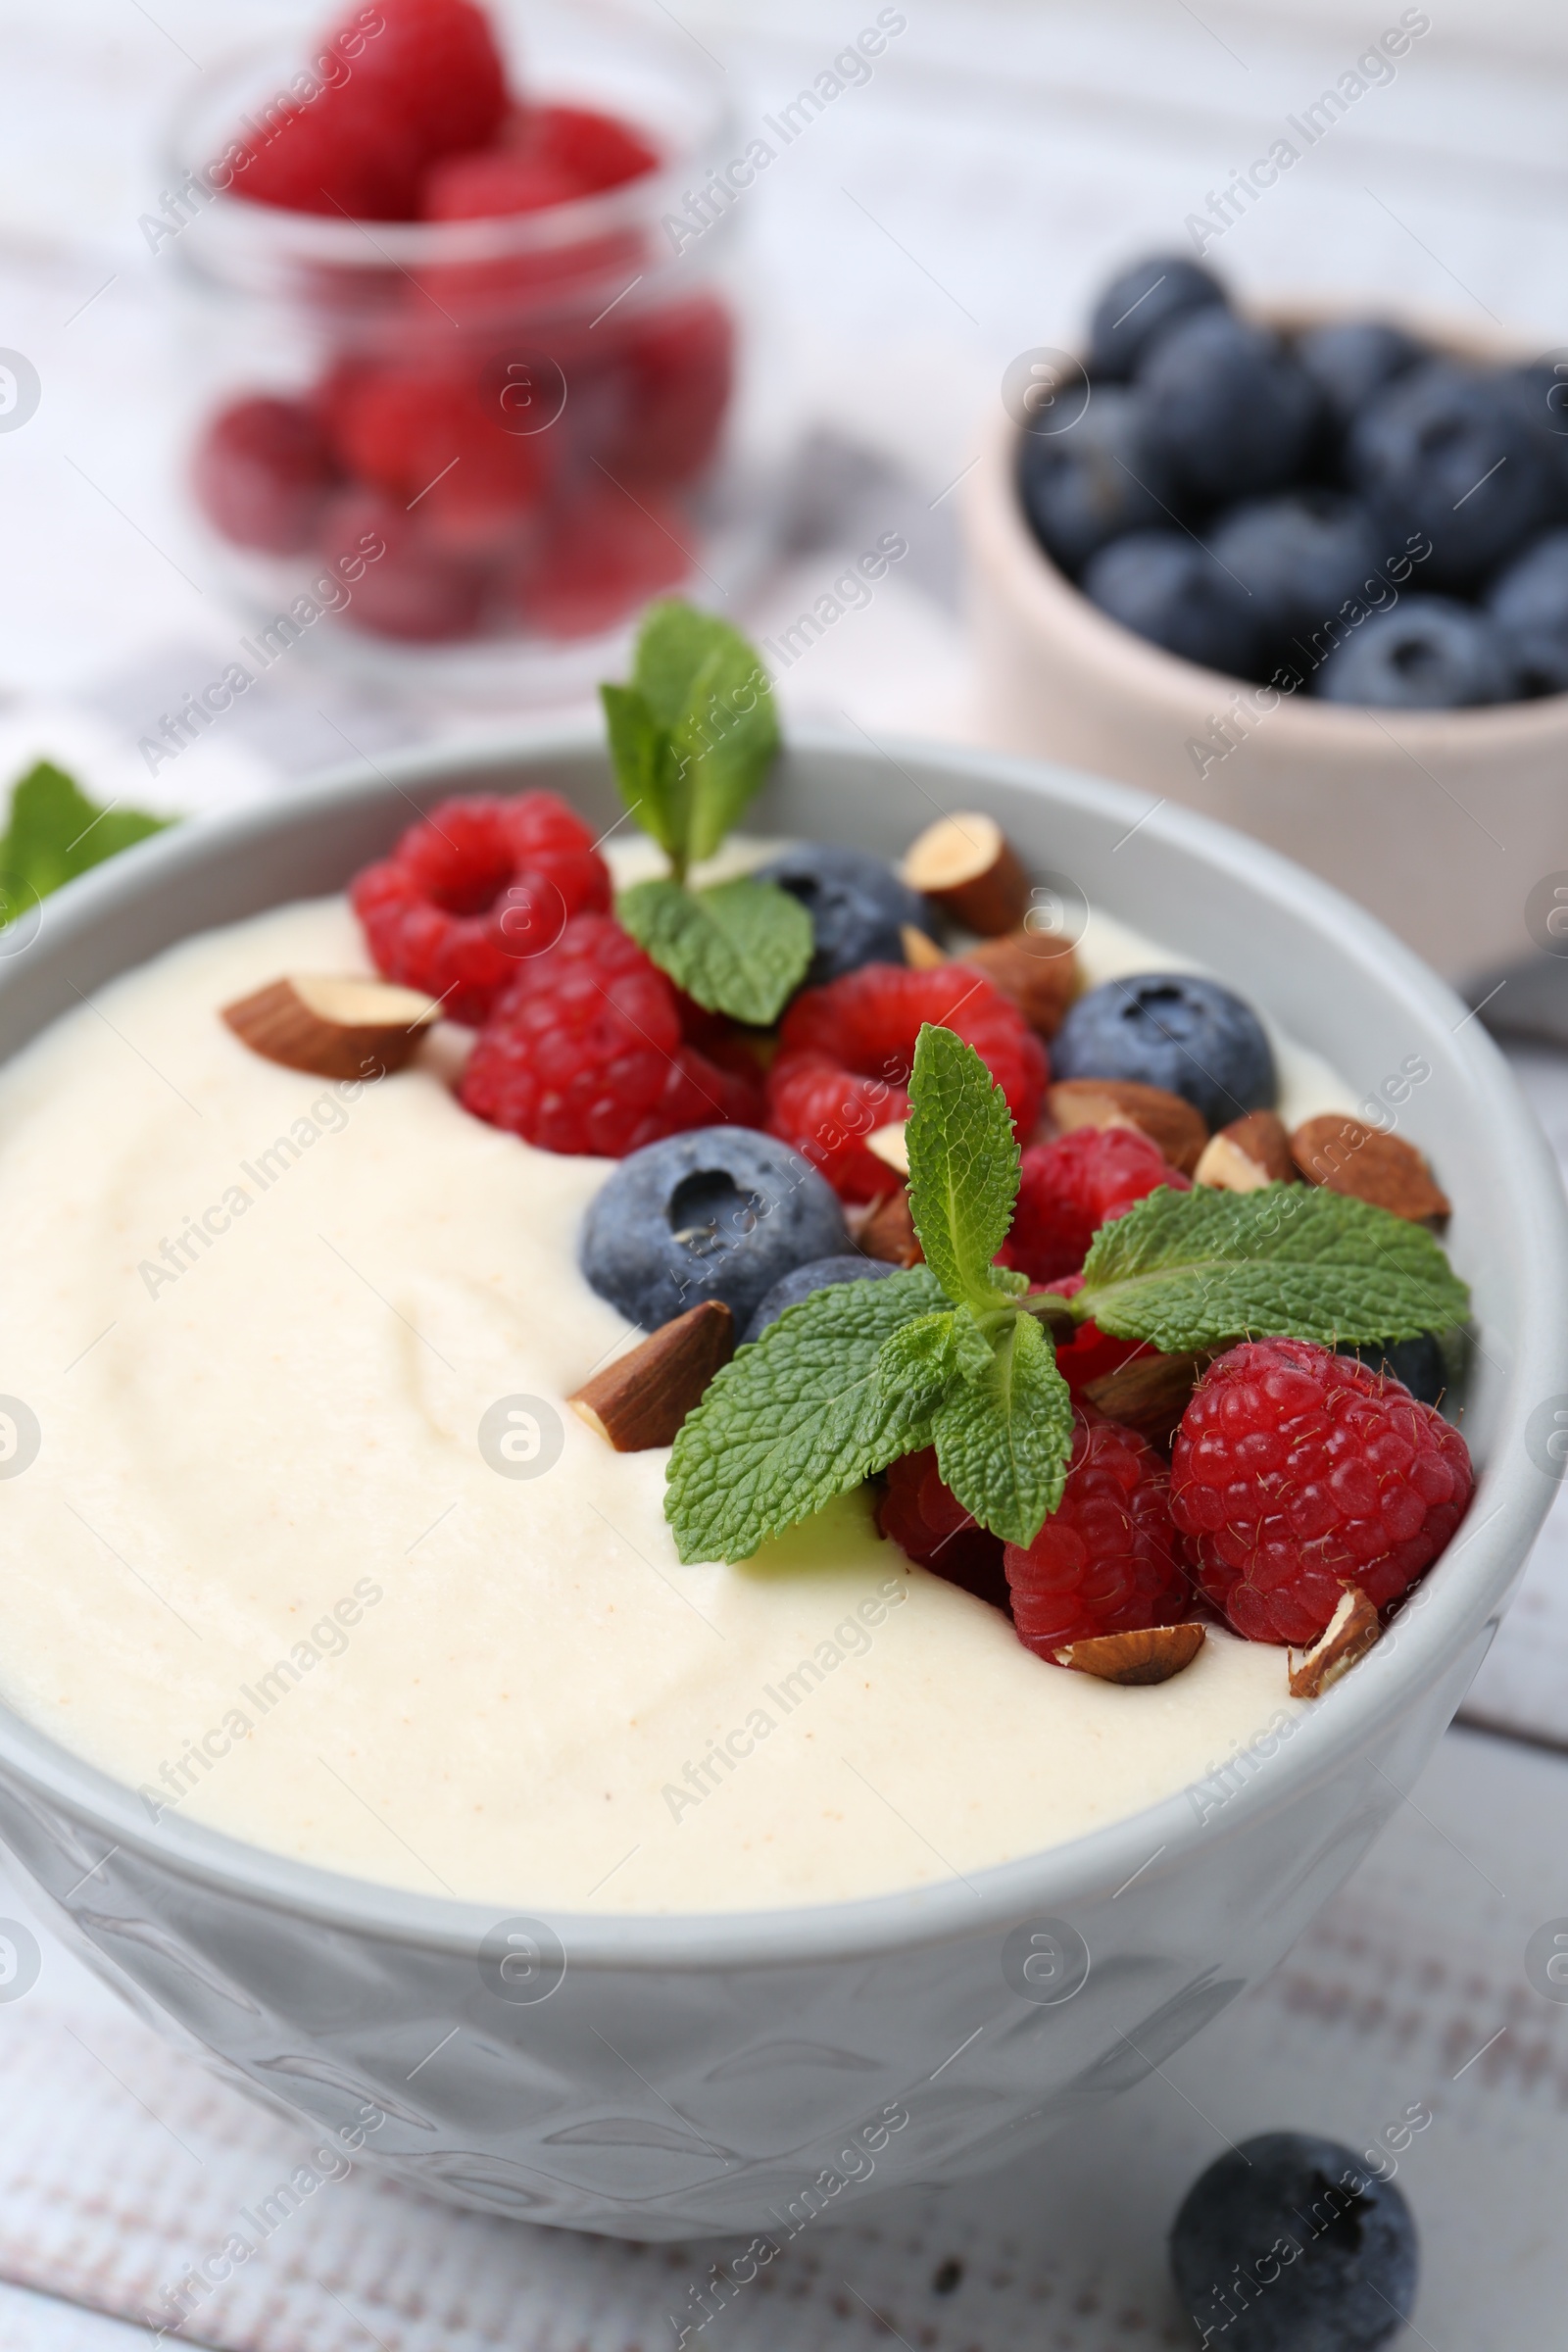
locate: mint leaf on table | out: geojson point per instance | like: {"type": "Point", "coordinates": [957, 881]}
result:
{"type": "Point", "coordinates": [1002, 1439]}
{"type": "Point", "coordinates": [740, 948]}
{"type": "Point", "coordinates": [55, 833]}
{"type": "Point", "coordinates": [963, 1166]}
{"type": "Point", "coordinates": [1188, 1270]}
{"type": "Point", "coordinates": [798, 1417]}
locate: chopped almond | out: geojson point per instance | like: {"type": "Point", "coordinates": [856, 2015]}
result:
{"type": "Point", "coordinates": [889, 1234]}
{"type": "Point", "coordinates": [1349, 1634]}
{"type": "Point", "coordinates": [1171, 1124]}
{"type": "Point", "coordinates": [891, 1145]}
{"type": "Point", "coordinates": [641, 1399]}
{"type": "Point", "coordinates": [1150, 1393]}
{"type": "Point", "coordinates": [968, 866]}
{"type": "Point", "coordinates": [1037, 972]}
{"type": "Point", "coordinates": [920, 949]}
{"type": "Point", "coordinates": [334, 1027]}
{"type": "Point", "coordinates": [1248, 1154]}
{"type": "Point", "coordinates": [1150, 1656]}
{"type": "Point", "coordinates": [1340, 1152]}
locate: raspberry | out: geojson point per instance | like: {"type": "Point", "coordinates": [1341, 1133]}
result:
{"type": "Point", "coordinates": [411, 589]}
{"type": "Point", "coordinates": [553, 155]}
{"type": "Point", "coordinates": [583, 1052]}
{"type": "Point", "coordinates": [602, 556]}
{"type": "Point", "coordinates": [928, 1523]}
{"type": "Point", "coordinates": [429, 82]}
{"type": "Point", "coordinates": [1296, 1472]}
{"type": "Point", "coordinates": [263, 474]}
{"type": "Point", "coordinates": [674, 367]}
{"type": "Point", "coordinates": [1110, 1560]}
{"type": "Point", "coordinates": [481, 885]}
{"type": "Point", "coordinates": [845, 1052]}
{"type": "Point", "coordinates": [1071, 1187]}
{"type": "Point", "coordinates": [439, 439]}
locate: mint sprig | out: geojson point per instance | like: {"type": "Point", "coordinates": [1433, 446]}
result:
{"type": "Point", "coordinates": [55, 833]}
{"type": "Point", "coordinates": [953, 1354]}
{"type": "Point", "coordinates": [691, 738]}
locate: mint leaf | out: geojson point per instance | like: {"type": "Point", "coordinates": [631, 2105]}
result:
{"type": "Point", "coordinates": [1188, 1270]}
{"type": "Point", "coordinates": [741, 948]}
{"type": "Point", "coordinates": [795, 1418]}
{"type": "Point", "coordinates": [1002, 1441]}
{"type": "Point", "coordinates": [920, 1361]}
{"type": "Point", "coordinates": [704, 688]}
{"type": "Point", "coordinates": [646, 768]}
{"type": "Point", "coordinates": [964, 1164]}
{"type": "Point", "coordinates": [57, 833]}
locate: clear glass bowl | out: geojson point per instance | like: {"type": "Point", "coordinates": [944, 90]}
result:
{"type": "Point", "coordinates": [582, 360]}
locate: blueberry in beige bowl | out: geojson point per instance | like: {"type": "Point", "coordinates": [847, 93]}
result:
{"type": "Point", "coordinates": [708, 1702]}
{"type": "Point", "coordinates": [1302, 568]}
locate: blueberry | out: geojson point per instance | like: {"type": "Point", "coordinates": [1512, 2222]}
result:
{"type": "Point", "coordinates": [1428, 653]}
{"type": "Point", "coordinates": [721, 1212]}
{"type": "Point", "coordinates": [857, 907]}
{"type": "Point", "coordinates": [1171, 1029]}
{"type": "Point", "coordinates": [1451, 455]}
{"type": "Point", "coordinates": [1419, 1362]}
{"type": "Point", "coordinates": [820, 1275]}
{"type": "Point", "coordinates": [1140, 303]}
{"type": "Point", "coordinates": [1288, 2245]}
{"type": "Point", "coordinates": [1229, 407]}
{"type": "Point", "coordinates": [1301, 557]}
{"type": "Point", "coordinates": [1529, 601]}
{"type": "Point", "coordinates": [1083, 488]}
{"type": "Point", "coordinates": [1169, 589]}
{"type": "Point", "coordinates": [1353, 357]}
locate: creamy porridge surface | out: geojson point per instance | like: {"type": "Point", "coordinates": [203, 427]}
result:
{"type": "Point", "coordinates": [262, 1569]}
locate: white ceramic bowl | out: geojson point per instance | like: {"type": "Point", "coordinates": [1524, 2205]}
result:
{"type": "Point", "coordinates": [688, 2074]}
{"type": "Point", "coordinates": [1441, 822]}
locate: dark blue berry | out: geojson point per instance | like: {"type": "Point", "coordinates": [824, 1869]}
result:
{"type": "Point", "coordinates": [1140, 303]}
{"type": "Point", "coordinates": [1169, 589]}
{"type": "Point", "coordinates": [721, 1212]}
{"type": "Point", "coordinates": [1351, 359]}
{"type": "Point", "coordinates": [1094, 482]}
{"type": "Point", "coordinates": [820, 1275]}
{"type": "Point", "coordinates": [1301, 557]}
{"type": "Point", "coordinates": [1529, 601]}
{"type": "Point", "coordinates": [1288, 2245]}
{"type": "Point", "coordinates": [1228, 406]}
{"type": "Point", "coordinates": [1453, 455]}
{"type": "Point", "coordinates": [1419, 1363]}
{"type": "Point", "coordinates": [1428, 653]}
{"type": "Point", "coordinates": [857, 906]}
{"type": "Point", "coordinates": [1172, 1029]}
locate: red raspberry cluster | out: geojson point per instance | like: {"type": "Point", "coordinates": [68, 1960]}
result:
{"type": "Point", "coordinates": [524, 471]}
{"type": "Point", "coordinates": [845, 1051]}
{"type": "Point", "coordinates": [1072, 1186]}
{"type": "Point", "coordinates": [1110, 1560]}
{"type": "Point", "coordinates": [1296, 1472]}
{"type": "Point", "coordinates": [928, 1522]}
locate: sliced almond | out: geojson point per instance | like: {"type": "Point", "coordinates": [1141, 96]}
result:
{"type": "Point", "coordinates": [969, 866]}
{"type": "Point", "coordinates": [641, 1399]}
{"type": "Point", "coordinates": [888, 1232]}
{"type": "Point", "coordinates": [1039, 973]}
{"type": "Point", "coordinates": [1150, 1393]}
{"type": "Point", "coordinates": [1349, 1634]}
{"type": "Point", "coordinates": [335, 1027]}
{"type": "Point", "coordinates": [1172, 1125]}
{"type": "Point", "coordinates": [1248, 1155]}
{"type": "Point", "coordinates": [920, 949]}
{"type": "Point", "coordinates": [1151, 1656]}
{"type": "Point", "coordinates": [1341, 1153]}
{"type": "Point", "coordinates": [891, 1145]}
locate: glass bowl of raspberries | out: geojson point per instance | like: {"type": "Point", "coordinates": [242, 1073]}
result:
{"type": "Point", "coordinates": [465, 352]}
{"type": "Point", "coordinates": [1302, 566]}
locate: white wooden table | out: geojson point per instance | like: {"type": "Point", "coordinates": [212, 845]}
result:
{"type": "Point", "coordinates": [938, 222]}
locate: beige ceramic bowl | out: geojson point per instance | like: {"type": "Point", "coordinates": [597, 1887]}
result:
{"type": "Point", "coordinates": [1441, 822]}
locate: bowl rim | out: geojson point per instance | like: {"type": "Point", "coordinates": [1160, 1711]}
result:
{"type": "Point", "coordinates": [1434, 1633]}
{"type": "Point", "coordinates": [1129, 665]}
